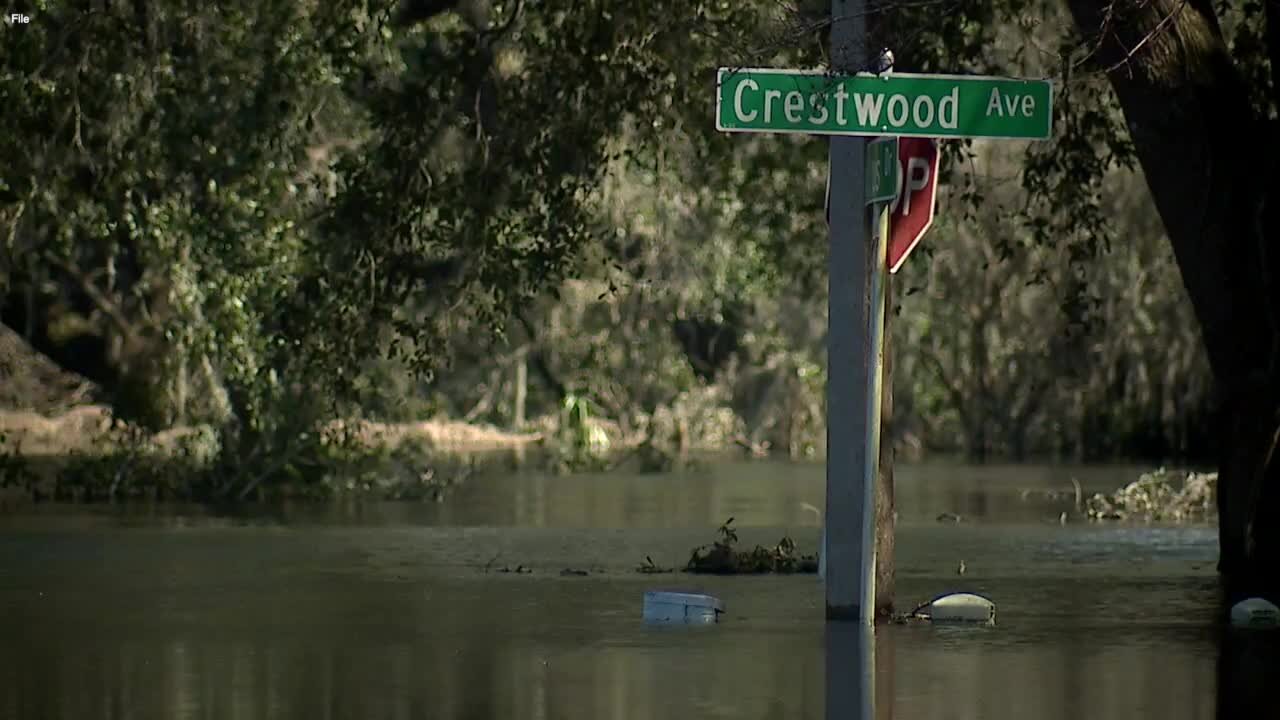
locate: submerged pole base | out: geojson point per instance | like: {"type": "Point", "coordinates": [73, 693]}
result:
{"type": "Point", "coordinates": [849, 613]}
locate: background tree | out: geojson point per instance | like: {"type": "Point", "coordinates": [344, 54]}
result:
{"type": "Point", "coordinates": [1191, 94]}
{"type": "Point", "coordinates": [262, 215]}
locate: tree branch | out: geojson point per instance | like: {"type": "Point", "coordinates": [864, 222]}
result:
{"type": "Point", "coordinates": [417, 11]}
{"type": "Point", "coordinates": [99, 299]}
{"type": "Point", "coordinates": [1165, 23]}
{"type": "Point", "coordinates": [539, 360]}
{"type": "Point", "coordinates": [495, 33]}
{"type": "Point", "coordinates": [957, 397]}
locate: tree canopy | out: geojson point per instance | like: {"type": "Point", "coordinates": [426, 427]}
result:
{"type": "Point", "coordinates": [244, 211]}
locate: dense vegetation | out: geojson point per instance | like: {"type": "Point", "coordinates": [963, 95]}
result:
{"type": "Point", "coordinates": [264, 215]}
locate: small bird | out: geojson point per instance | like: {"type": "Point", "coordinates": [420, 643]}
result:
{"type": "Point", "coordinates": [960, 568]}
{"type": "Point", "coordinates": [883, 62]}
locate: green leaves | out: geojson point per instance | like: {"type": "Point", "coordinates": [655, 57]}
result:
{"type": "Point", "coordinates": [290, 191]}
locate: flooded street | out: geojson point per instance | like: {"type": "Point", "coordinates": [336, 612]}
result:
{"type": "Point", "coordinates": [401, 611]}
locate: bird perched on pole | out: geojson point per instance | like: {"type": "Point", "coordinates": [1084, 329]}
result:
{"type": "Point", "coordinates": [883, 62]}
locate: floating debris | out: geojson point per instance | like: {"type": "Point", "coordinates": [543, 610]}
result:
{"type": "Point", "coordinates": [572, 572]}
{"type": "Point", "coordinates": [952, 608]}
{"type": "Point", "coordinates": [962, 607]}
{"type": "Point", "coordinates": [948, 517]}
{"type": "Point", "coordinates": [721, 558]}
{"type": "Point", "coordinates": [1255, 613]}
{"type": "Point", "coordinates": [680, 607]}
{"type": "Point", "coordinates": [1160, 496]}
{"type": "Point", "coordinates": [649, 567]}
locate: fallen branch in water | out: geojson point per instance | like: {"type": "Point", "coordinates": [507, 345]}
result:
{"type": "Point", "coordinates": [720, 558]}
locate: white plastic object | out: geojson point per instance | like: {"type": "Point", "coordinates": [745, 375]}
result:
{"type": "Point", "coordinates": [962, 607]}
{"type": "Point", "coordinates": [1255, 613]}
{"type": "Point", "coordinates": [678, 607]}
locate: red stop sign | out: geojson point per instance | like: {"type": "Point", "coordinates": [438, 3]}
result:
{"type": "Point", "coordinates": [911, 212]}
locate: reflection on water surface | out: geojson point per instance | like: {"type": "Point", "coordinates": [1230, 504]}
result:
{"type": "Point", "coordinates": [386, 611]}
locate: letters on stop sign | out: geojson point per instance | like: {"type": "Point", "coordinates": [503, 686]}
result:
{"type": "Point", "coordinates": [911, 212]}
{"type": "Point", "coordinates": [916, 177]}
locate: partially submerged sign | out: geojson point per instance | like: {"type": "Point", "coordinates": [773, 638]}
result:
{"type": "Point", "coordinates": [908, 105]}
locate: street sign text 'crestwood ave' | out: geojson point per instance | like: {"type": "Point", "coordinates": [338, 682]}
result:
{"type": "Point", "coordinates": [939, 106]}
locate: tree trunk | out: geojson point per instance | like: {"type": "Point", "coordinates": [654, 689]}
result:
{"type": "Point", "coordinates": [884, 481]}
{"type": "Point", "coordinates": [1206, 156]}
{"type": "Point", "coordinates": [1248, 506]}
{"type": "Point", "coordinates": [1247, 665]}
{"type": "Point", "coordinates": [521, 388]}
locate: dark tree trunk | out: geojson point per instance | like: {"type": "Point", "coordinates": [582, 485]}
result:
{"type": "Point", "coordinates": [1206, 156]}
{"type": "Point", "coordinates": [1247, 665]}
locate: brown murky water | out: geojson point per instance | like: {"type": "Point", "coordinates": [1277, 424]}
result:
{"type": "Point", "coordinates": [387, 611]}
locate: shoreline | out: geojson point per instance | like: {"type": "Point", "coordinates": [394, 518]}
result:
{"type": "Point", "coordinates": [89, 429]}
{"type": "Point", "coordinates": [83, 456]}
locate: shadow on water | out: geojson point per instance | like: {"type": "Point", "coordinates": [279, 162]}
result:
{"type": "Point", "coordinates": [859, 671]}
{"type": "Point", "coordinates": [1249, 675]}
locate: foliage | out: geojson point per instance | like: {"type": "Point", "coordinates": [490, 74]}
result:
{"type": "Point", "coordinates": [582, 444]}
{"type": "Point", "coordinates": [722, 558]}
{"type": "Point", "coordinates": [1160, 496]}
{"type": "Point", "coordinates": [269, 214]}
{"type": "Point", "coordinates": [1004, 361]}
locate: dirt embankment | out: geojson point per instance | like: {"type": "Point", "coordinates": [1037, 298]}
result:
{"type": "Point", "coordinates": [46, 411]}
{"type": "Point", "coordinates": [30, 382]}
{"type": "Point", "coordinates": [88, 429]}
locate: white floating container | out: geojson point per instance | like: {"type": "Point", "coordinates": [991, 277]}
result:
{"type": "Point", "coordinates": [678, 607]}
{"type": "Point", "coordinates": [1255, 613]}
{"type": "Point", "coordinates": [962, 607]}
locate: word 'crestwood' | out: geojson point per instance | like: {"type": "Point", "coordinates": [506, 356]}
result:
{"type": "Point", "coordinates": [789, 101]}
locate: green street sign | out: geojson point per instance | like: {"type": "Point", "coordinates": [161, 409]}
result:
{"type": "Point", "coordinates": [882, 170]}
{"type": "Point", "coordinates": [899, 104]}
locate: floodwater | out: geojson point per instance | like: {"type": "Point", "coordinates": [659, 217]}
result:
{"type": "Point", "coordinates": [402, 611]}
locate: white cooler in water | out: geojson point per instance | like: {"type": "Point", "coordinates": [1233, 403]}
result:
{"type": "Point", "coordinates": [962, 607]}
{"type": "Point", "coordinates": [1255, 613]}
{"type": "Point", "coordinates": [679, 607]}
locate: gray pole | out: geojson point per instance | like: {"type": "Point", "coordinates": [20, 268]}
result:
{"type": "Point", "coordinates": [850, 591]}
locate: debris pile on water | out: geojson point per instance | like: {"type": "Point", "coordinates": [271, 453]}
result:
{"type": "Point", "coordinates": [1162, 495]}
{"type": "Point", "coordinates": [722, 558]}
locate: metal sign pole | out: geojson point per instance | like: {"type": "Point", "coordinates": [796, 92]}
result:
{"type": "Point", "coordinates": [850, 588]}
